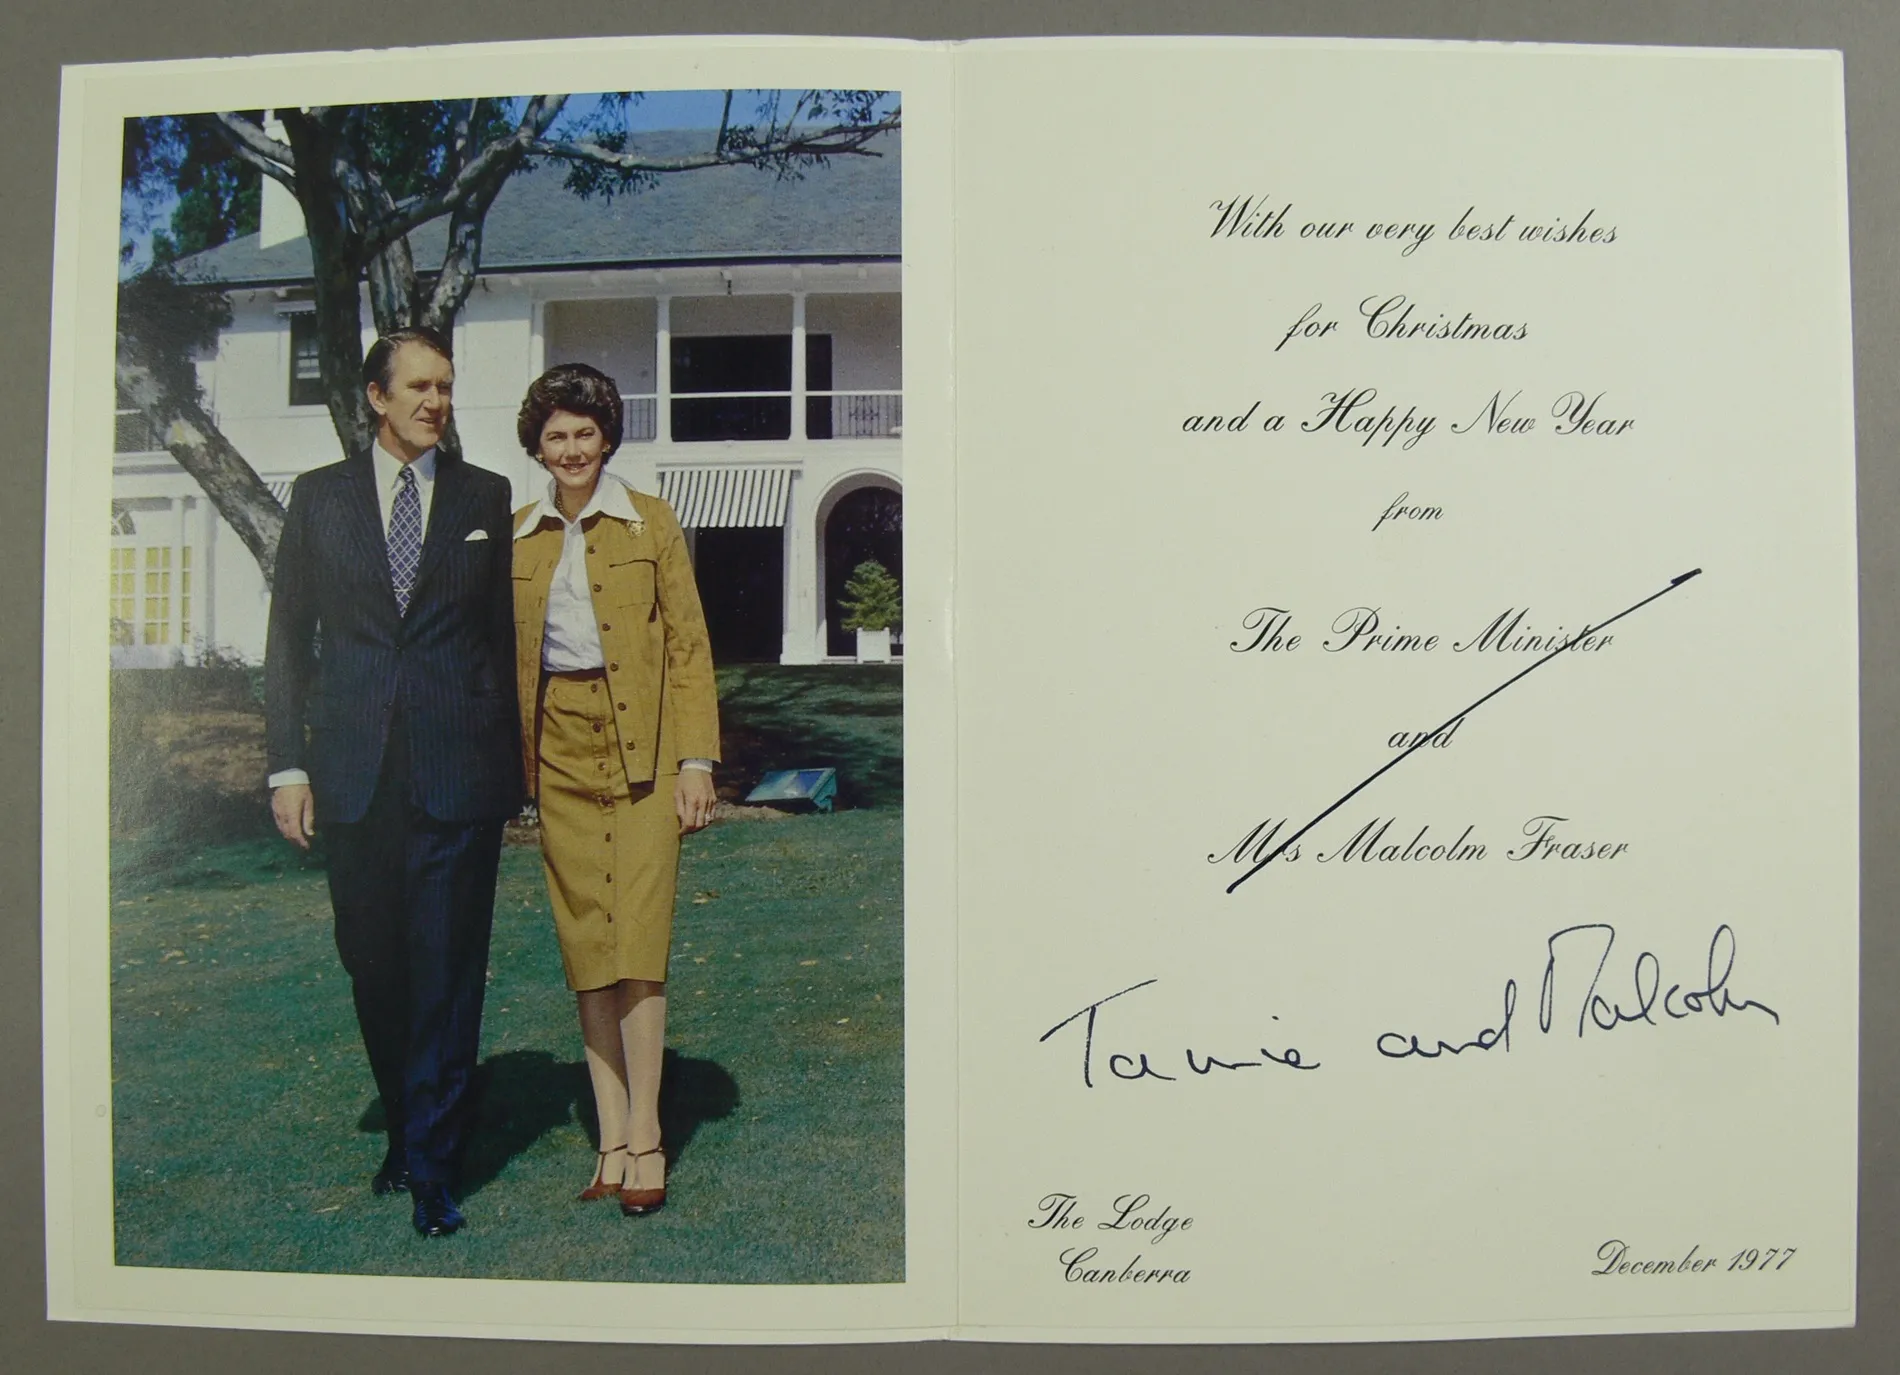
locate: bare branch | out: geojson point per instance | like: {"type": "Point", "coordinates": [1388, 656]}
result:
{"type": "Point", "coordinates": [577, 150]}
{"type": "Point", "coordinates": [193, 438]}
{"type": "Point", "coordinates": [461, 262]}
{"type": "Point", "coordinates": [833, 141]}
{"type": "Point", "coordinates": [461, 259]}
{"type": "Point", "coordinates": [495, 162]}
{"type": "Point", "coordinates": [259, 149]}
{"type": "Point", "coordinates": [459, 135]}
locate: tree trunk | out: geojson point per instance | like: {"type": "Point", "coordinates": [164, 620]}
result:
{"type": "Point", "coordinates": [337, 272]}
{"type": "Point", "coordinates": [193, 438]}
{"type": "Point", "coordinates": [393, 291]}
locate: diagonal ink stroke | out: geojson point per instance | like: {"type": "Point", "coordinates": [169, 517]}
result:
{"type": "Point", "coordinates": [1424, 739]}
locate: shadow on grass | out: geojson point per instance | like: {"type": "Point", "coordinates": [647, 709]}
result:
{"type": "Point", "coordinates": [691, 1092]}
{"type": "Point", "coordinates": [842, 716]}
{"type": "Point", "coordinates": [521, 1095]}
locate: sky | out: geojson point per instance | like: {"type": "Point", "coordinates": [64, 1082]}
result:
{"type": "Point", "coordinates": [654, 110]}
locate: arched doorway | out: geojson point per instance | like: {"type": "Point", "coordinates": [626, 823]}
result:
{"type": "Point", "coordinates": [867, 523]}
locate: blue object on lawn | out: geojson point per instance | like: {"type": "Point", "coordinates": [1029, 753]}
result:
{"type": "Point", "coordinates": [808, 787]}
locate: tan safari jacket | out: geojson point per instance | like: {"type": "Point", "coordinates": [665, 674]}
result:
{"type": "Point", "coordinates": [651, 629]}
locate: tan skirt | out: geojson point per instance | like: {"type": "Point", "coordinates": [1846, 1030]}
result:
{"type": "Point", "coordinates": [611, 850]}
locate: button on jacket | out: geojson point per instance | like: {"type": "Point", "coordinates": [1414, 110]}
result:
{"type": "Point", "coordinates": [646, 612]}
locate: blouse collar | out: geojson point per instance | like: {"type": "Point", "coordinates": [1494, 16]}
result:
{"type": "Point", "coordinates": [612, 497]}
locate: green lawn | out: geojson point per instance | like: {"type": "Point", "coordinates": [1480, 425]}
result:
{"type": "Point", "coordinates": [246, 1126]}
{"type": "Point", "coordinates": [844, 716]}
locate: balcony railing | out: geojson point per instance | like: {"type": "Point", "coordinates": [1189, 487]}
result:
{"type": "Point", "coordinates": [639, 420]}
{"type": "Point", "coordinates": [763, 415]}
{"type": "Point", "coordinates": [863, 414]}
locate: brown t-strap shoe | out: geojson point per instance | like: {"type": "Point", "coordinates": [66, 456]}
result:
{"type": "Point", "coordinates": [600, 1188]}
{"type": "Point", "coordinates": [640, 1202]}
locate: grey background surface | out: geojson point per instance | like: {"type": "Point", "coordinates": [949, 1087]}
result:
{"type": "Point", "coordinates": [37, 36]}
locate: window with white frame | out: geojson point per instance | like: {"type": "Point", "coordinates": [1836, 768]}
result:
{"type": "Point", "coordinates": [306, 368]}
{"type": "Point", "coordinates": [124, 592]}
{"type": "Point", "coordinates": [151, 592]}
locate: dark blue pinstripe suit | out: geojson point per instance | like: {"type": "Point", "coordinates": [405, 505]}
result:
{"type": "Point", "coordinates": [414, 764]}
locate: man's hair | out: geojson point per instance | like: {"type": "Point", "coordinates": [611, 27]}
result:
{"type": "Point", "coordinates": [576, 389]}
{"type": "Point", "coordinates": [379, 362]}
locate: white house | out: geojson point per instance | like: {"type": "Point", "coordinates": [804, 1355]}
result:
{"type": "Point", "coordinates": [754, 327]}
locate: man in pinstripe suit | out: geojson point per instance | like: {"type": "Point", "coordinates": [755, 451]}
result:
{"type": "Point", "coordinates": [390, 708]}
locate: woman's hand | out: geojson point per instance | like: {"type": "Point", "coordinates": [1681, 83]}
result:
{"type": "Point", "coordinates": [694, 800]}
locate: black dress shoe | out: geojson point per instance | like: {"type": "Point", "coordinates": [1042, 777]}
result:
{"type": "Point", "coordinates": [436, 1214]}
{"type": "Point", "coordinates": [393, 1178]}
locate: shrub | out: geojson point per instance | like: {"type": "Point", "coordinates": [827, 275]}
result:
{"type": "Point", "coordinates": [872, 599]}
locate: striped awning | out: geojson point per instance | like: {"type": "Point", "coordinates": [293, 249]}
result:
{"type": "Point", "coordinates": [703, 497]}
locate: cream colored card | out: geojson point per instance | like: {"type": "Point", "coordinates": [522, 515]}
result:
{"type": "Point", "coordinates": [1315, 400]}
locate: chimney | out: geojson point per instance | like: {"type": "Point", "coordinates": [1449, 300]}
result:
{"type": "Point", "coordinates": [281, 218]}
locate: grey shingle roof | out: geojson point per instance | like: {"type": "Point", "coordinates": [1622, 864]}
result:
{"type": "Point", "coordinates": [845, 209]}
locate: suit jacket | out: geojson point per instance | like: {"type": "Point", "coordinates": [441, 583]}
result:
{"type": "Point", "coordinates": [652, 631]}
{"type": "Point", "coordinates": [340, 660]}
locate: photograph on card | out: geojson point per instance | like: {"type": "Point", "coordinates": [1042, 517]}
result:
{"type": "Point", "coordinates": [507, 803]}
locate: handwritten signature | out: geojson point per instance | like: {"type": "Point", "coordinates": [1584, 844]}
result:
{"type": "Point", "coordinates": [1570, 953]}
{"type": "Point", "coordinates": [1137, 1065]}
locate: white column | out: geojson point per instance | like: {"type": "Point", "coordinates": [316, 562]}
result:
{"type": "Point", "coordinates": [798, 365]}
{"type": "Point", "coordinates": [791, 631]}
{"type": "Point", "coordinates": [181, 541]}
{"type": "Point", "coordinates": [208, 575]}
{"type": "Point", "coordinates": [526, 477]}
{"type": "Point", "coordinates": [663, 370]}
{"type": "Point", "coordinates": [537, 341]}
{"type": "Point", "coordinates": [801, 642]}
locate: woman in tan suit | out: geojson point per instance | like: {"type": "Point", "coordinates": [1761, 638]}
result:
{"type": "Point", "coordinates": [620, 731]}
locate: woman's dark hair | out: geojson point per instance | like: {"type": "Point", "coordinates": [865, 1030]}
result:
{"type": "Point", "coordinates": [576, 389]}
{"type": "Point", "coordinates": [381, 358]}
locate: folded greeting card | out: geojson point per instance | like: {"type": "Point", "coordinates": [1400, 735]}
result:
{"type": "Point", "coordinates": [1319, 577]}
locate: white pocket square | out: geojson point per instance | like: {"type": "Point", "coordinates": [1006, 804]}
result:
{"type": "Point", "coordinates": [474, 535]}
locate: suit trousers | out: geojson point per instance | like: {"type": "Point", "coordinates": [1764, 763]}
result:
{"type": "Point", "coordinates": [414, 899]}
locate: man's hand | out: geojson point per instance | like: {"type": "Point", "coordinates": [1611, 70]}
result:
{"type": "Point", "coordinates": [694, 800]}
{"type": "Point", "coordinates": [295, 812]}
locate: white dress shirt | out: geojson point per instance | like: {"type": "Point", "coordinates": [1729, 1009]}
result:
{"type": "Point", "coordinates": [388, 481]}
{"type": "Point", "coordinates": [570, 640]}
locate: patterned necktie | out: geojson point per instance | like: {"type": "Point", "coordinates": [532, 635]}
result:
{"type": "Point", "coordinates": [405, 538]}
